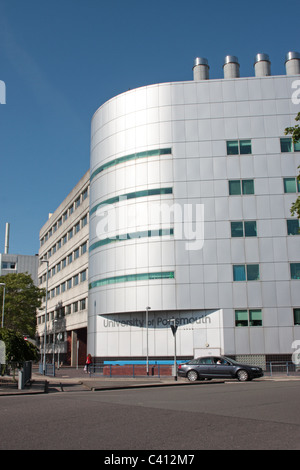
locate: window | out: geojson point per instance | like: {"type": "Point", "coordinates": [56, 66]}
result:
{"type": "Point", "coordinates": [239, 272]}
{"type": "Point", "coordinates": [75, 307]}
{"type": "Point", "coordinates": [293, 227]}
{"type": "Point", "coordinates": [64, 263]}
{"type": "Point", "coordinates": [248, 186]}
{"type": "Point", "coordinates": [83, 276]}
{"type": "Point", "coordinates": [70, 257]}
{"type": "Point", "coordinates": [252, 272]}
{"type": "Point", "coordinates": [238, 187]}
{"type": "Point", "coordinates": [255, 317]}
{"type": "Point", "coordinates": [248, 317]}
{"type": "Point", "coordinates": [71, 209]}
{"type": "Point", "coordinates": [77, 202]}
{"type": "Point", "coordinates": [291, 185]}
{"type": "Point", "coordinates": [134, 156]}
{"type": "Point", "coordinates": [84, 221]}
{"type": "Point", "coordinates": [70, 234]}
{"type": "Point", "coordinates": [295, 270]}
{"type": "Point", "coordinates": [136, 194]}
{"type": "Point", "coordinates": [69, 283]}
{"type": "Point", "coordinates": [241, 229]}
{"type": "Point", "coordinates": [65, 216]}
{"type": "Point", "coordinates": [76, 280]}
{"type": "Point", "coordinates": [132, 278]}
{"type": "Point", "coordinates": [85, 194]}
{"type": "Point", "coordinates": [296, 312]}
{"type": "Point", "coordinates": [287, 145]}
{"type": "Point", "coordinates": [83, 304]}
{"type": "Point", "coordinates": [241, 318]}
{"type": "Point", "coordinates": [76, 253]}
{"type": "Point", "coordinates": [77, 227]}
{"type": "Point", "coordinates": [248, 272]}
{"type": "Point", "coordinates": [83, 248]}
{"type": "Point", "coordinates": [239, 147]}
{"type": "Point", "coordinates": [63, 287]}
{"type": "Point", "coordinates": [205, 360]}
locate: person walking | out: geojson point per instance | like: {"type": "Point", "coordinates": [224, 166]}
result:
{"type": "Point", "coordinates": [88, 363]}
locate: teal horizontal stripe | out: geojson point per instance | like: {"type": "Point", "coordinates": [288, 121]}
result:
{"type": "Point", "coordinates": [132, 277]}
{"type": "Point", "coordinates": [136, 194]}
{"type": "Point", "coordinates": [133, 156]}
{"type": "Point", "coordinates": [132, 236]}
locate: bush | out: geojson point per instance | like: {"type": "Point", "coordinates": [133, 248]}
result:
{"type": "Point", "coordinates": [17, 349]}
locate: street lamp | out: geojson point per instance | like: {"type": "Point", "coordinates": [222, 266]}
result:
{"type": "Point", "coordinates": [147, 349]}
{"type": "Point", "coordinates": [174, 329]}
{"type": "Point", "coordinates": [3, 285]}
{"type": "Point", "coordinates": [45, 332]}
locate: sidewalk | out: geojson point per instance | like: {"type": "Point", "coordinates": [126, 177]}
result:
{"type": "Point", "coordinates": [68, 379]}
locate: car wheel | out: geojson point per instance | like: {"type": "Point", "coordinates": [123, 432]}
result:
{"type": "Point", "coordinates": [242, 375]}
{"type": "Point", "coordinates": [192, 375]}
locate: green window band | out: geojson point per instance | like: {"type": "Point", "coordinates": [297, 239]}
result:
{"type": "Point", "coordinates": [133, 156]}
{"type": "Point", "coordinates": [132, 236]}
{"type": "Point", "coordinates": [132, 277]}
{"type": "Point", "coordinates": [136, 194]}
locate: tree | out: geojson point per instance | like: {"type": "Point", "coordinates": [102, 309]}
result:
{"type": "Point", "coordinates": [22, 299]}
{"type": "Point", "coordinates": [17, 349]}
{"type": "Point", "coordinates": [295, 133]}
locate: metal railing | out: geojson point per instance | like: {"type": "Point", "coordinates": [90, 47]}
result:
{"type": "Point", "coordinates": [49, 369]}
{"type": "Point", "coordinates": [282, 368]}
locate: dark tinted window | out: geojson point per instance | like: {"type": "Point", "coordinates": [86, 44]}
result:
{"type": "Point", "coordinates": [206, 360]}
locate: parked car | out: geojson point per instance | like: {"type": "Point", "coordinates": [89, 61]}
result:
{"type": "Point", "coordinates": [212, 367]}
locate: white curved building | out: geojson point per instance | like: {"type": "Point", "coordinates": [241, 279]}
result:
{"type": "Point", "coordinates": [191, 185]}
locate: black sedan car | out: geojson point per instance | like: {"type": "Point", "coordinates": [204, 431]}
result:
{"type": "Point", "coordinates": [213, 367]}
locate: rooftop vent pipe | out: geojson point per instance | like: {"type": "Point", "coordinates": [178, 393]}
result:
{"type": "Point", "coordinates": [231, 67]}
{"type": "Point", "coordinates": [201, 69]}
{"type": "Point", "coordinates": [262, 65]}
{"type": "Point", "coordinates": [292, 63]}
{"type": "Point", "coordinates": [6, 246]}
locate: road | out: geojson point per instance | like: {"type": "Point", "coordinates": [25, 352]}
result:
{"type": "Point", "coordinates": [254, 415]}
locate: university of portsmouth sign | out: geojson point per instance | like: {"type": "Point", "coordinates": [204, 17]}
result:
{"type": "Point", "coordinates": [156, 321]}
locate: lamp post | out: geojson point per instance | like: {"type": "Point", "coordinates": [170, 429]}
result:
{"type": "Point", "coordinates": [174, 329]}
{"type": "Point", "coordinates": [147, 346]}
{"type": "Point", "coordinates": [53, 360]}
{"type": "Point", "coordinates": [45, 332]}
{"type": "Point", "coordinates": [2, 322]}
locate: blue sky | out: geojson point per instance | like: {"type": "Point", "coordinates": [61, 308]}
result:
{"type": "Point", "coordinates": [61, 59]}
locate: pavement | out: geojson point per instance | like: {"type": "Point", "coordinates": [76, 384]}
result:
{"type": "Point", "coordinates": [68, 379]}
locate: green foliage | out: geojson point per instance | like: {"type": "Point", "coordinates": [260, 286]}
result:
{"type": "Point", "coordinates": [17, 349]}
{"type": "Point", "coordinates": [295, 133]}
{"type": "Point", "coordinates": [22, 299]}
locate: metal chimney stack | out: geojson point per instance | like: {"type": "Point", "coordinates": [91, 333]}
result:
{"type": "Point", "coordinates": [262, 65]}
{"type": "Point", "coordinates": [201, 69]}
{"type": "Point", "coordinates": [6, 246]}
{"type": "Point", "coordinates": [231, 67]}
{"type": "Point", "coordinates": [292, 63]}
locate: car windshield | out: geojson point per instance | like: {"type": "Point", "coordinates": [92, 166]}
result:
{"type": "Point", "coordinates": [232, 361]}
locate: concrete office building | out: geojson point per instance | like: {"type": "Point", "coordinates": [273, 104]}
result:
{"type": "Point", "coordinates": [191, 187]}
{"type": "Point", "coordinates": [64, 246]}
{"type": "Point", "coordinates": [15, 264]}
